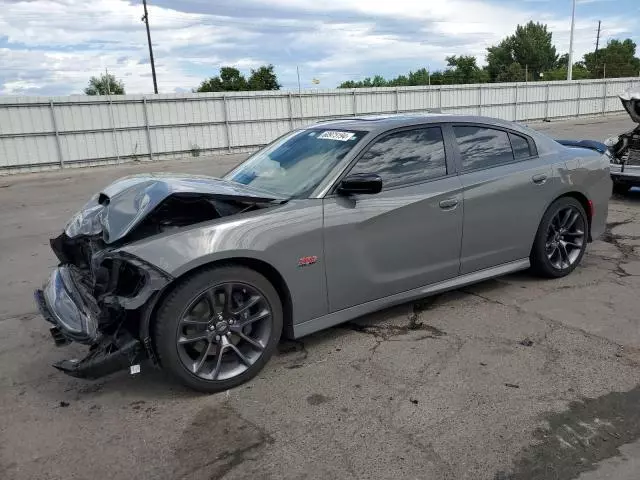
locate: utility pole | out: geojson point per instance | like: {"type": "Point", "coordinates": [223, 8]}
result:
{"type": "Point", "coordinates": [597, 43]}
{"type": "Point", "coordinates": [145, 19]}
{"type": "Point", "coordinates": [526, 73]}
{"type": "Point", "coordinates": [573, 21]}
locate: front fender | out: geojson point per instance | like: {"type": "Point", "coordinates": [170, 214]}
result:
{"type": "Point", "coordinates": [279, 236]}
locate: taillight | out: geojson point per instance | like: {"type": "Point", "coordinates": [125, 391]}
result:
{"type": "Point", "coordinates": [592, 210]}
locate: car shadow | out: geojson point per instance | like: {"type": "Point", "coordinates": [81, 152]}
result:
{"type": "Point", "coordinates": [632, 195]}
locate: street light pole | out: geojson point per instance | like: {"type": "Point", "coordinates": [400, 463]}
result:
{"type": "Point", "coordinates": [573, 20]}
{"type": "Point", "coordinates": [145, 19]}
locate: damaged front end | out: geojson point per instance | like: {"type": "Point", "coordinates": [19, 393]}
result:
{"type": "Point", "coordinates": [103, 297]}
{"type": "Point", "coordinates": [624, 149]}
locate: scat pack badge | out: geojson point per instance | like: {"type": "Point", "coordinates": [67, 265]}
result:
{"type": "Point", "coordinates": [306, 261]}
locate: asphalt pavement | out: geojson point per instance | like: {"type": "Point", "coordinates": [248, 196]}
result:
{"type": "Point", "coordinates": [513, 378]}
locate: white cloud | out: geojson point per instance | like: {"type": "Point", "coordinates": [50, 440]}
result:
{"type": "Point", "coordinates": [54, 46]}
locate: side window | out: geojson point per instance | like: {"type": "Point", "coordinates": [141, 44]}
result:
{"type": "Point", "coordinates": [405, 157]}
{"type": "Point", "coordinates": [520, 145]}
{"type": "Point", "coordinates": [482, 147]}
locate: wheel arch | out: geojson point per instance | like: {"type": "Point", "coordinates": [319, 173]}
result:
{"type": "Point", "coordinates": [148, 315]}
{"type": "Point", "coordinates": [577, 195]}
{"type": "Point", "coordinates": [580, 197]}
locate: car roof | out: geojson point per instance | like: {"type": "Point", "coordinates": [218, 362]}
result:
{"type": "Point", "coordinates": [381, 123]}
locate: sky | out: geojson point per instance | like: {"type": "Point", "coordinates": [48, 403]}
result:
{"type": "Point", "coordinates": [52, 47]}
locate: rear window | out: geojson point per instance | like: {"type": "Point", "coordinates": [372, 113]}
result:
{"type": "Point", "coordinates": [482, 147]}
{"type": "Point", "coordinates": [520, 145]}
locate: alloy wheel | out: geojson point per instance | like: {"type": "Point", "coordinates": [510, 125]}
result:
{"type": "Point", "coordinates": [565, 238]}
{"type": "Point", "coordinates": [223, 331]}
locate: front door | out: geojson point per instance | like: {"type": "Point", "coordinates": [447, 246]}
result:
{"type": "Point", "coordinates": [402, 238]}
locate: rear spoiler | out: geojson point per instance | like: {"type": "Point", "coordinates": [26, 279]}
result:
{"type": "Point", "coordinates": [588, 144]}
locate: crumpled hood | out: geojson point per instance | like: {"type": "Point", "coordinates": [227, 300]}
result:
{"type": "Point", "coordinates": [118, 208]}
{"type": "Point", "coordinates": [631, 102]}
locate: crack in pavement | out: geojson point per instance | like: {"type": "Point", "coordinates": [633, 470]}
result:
{"type": "Point", "coordinates": [617, 241]}
{"type": "Point", "coordinates": [556, 325]}
{"type": "Point", "coordinates": [552, 323]}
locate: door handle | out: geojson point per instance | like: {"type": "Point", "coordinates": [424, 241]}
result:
{"type": "Point", "coordinates": [539, 179]}
{"type": "Point", "coordinates": [449, 204]}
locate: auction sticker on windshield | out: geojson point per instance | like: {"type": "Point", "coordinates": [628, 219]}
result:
{"type": "Point", "coordinates": [336, 135]}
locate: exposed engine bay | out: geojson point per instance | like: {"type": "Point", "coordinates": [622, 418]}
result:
{"type": "Point", "coordinates": [624, 149]}
{"type": "Point", "coordinates": [103, 297]}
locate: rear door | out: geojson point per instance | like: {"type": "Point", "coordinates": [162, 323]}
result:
{"type": "Point", "coordinates": [506, 189]}
{"type": "Point", "coordinates": [406, 236]}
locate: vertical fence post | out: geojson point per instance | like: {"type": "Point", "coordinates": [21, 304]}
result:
{"type": "Point", "coordinates": [113, 130]}
{"type": "Point", "coordinates": [604, 98]}
{"type": "Point", "coordinates": [225, 112]}
{"type": "Point", "coordinates": [146, 125]}
{"type": "Point", "coordinates": [440, 98]}
{"type": "Point", "coordinates": [397, 101]}
{"type": "Point", "coordinates": [546, 102]}
{"type": "Point", "coordinates": [579, 98]}
{"type": "Point", "coordinates": [355, 109]}
{"type": "Point", "coordinates": [290, 112]}
{"type": "Point", "coordinates": [55, 129]}
{"type": "Point", "coordinates": [480, 100]}
{"type": "Point", "coordinates": [301, 113]}
{"type": "Point", "coordinates": [515, 106]}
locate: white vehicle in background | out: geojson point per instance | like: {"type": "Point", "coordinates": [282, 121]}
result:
{"type": "Point", "coordinates": [625, 148]}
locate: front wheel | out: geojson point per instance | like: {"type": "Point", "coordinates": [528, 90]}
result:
{"type": "Point", "coordinates": [218, 328]}
{"type": "Point", "coordinates": [561, 239]}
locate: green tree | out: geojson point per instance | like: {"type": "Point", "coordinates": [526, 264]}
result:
{"type": "Point", "coordinates": [463, 69]}
{"type": "Point", "coordinates": [499, 58]}
{"type": "Point", "coordinates": [419, 77]}
{"type": "Point", "coordinates": [530, 46]}
{"type": "Point", "coordinates": [263, 78]}
{"type": "Point", "coordinates": [563, 61]}
{"type": "Point", "coordinates": [619, 58]}
{"type": "Point", "coordinates": [513, 73]}
{"type": "Point", "coordinates": [232, 80]}
{"type": "Point", "coordinates": [579, 72]}
{"type": "Point", "coordinates": [105, 84]}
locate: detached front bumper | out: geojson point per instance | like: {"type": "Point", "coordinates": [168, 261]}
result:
{"type": "Point", "coordinates": [66, 304]}
{"type": "Point", "coordinates": [625, 174]}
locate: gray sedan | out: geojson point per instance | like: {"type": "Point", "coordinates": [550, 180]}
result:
{"type": "Point", "coordinates": [202, 276]}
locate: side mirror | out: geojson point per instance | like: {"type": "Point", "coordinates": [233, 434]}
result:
{"type": "Point", "coordinates": [363, 183]}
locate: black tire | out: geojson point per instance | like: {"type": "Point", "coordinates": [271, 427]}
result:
{"type": "Point", "coordinates": [168, 319]}
{"type": "Point", "coordinates": [620, 188]}
{"type": "Point", "coordinates": [540, 262]}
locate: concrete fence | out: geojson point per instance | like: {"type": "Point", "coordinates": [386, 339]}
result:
{"type": "Point", "coordinates": [39, 133]}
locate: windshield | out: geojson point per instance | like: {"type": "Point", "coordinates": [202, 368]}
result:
{"type": "Point", "coordinates": [295, 164]}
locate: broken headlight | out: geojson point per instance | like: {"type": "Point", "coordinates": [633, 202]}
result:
{"type": "Point", "coordinates": [87, 221]}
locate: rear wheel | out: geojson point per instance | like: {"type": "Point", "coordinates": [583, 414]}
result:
{"type": "Point", "coordinates": [561, 239]}
{"type": "Point", "coordinates": [218, 328]}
